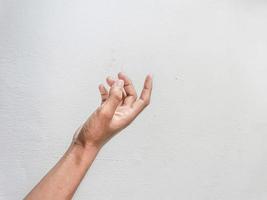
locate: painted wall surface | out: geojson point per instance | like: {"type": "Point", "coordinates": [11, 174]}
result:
{"type": "Point", "coordinates": [204, 135]}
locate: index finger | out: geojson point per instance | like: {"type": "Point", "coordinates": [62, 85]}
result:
{"type": "Point", "coordinates": [145, 96]}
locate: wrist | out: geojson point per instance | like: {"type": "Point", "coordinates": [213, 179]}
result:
{"type": "Point", "coordinates": [80, 138]}
{"type": "Point", "coordinates": [86, 146]}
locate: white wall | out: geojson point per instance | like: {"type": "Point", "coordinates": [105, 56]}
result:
{"type": "Point", "coordinates": [203, 137]}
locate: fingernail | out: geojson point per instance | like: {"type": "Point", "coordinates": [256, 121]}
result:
{"type": "Point", "coordinates": [121, 74]}
{"type": "Point", "coordinates": [119, 83]}
{"type": "Point", "coordinates": [109, 78]}
{"type": "Point", "coordinates": [150, 75]}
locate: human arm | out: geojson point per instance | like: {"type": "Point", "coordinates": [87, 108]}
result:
{"type": "Point", "coordinates": [119, 107]}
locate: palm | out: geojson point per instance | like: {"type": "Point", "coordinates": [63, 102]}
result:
{"type": "Point", "coordinates": [130, 106]}
{"type": "Point", "coordinates": [122, 117]}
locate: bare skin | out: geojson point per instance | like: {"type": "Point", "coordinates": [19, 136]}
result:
{"type": "Point", "coordinates": [119, 107]}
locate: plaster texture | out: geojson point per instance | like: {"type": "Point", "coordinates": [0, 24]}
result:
{"type": "Point", "coordinates": [202, 138]}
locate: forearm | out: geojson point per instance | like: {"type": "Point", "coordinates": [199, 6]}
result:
{"type": "Point", "coordinates": [63, 179]}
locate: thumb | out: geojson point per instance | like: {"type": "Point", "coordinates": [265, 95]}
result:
{"type": "Point", "coordinates": [114, 99]}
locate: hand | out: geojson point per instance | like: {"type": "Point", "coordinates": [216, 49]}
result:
{"type": "Point", "coordinates": [119, 107]}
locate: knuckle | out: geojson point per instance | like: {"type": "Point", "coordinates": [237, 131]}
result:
{"type": "Point", "coordinates": [135, 96]}
{"type": "Point", "coordinates": [98, 110]}
{"type": "Point", "coordinates": [103, 113]}
{"type": "Point", "coordinates": [146, 102]}
{"type": "Point", "coordinates": [117, 94]}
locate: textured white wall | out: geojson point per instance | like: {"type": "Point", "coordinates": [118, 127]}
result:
{"type": "Point", "coordinates": [204, 135]}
